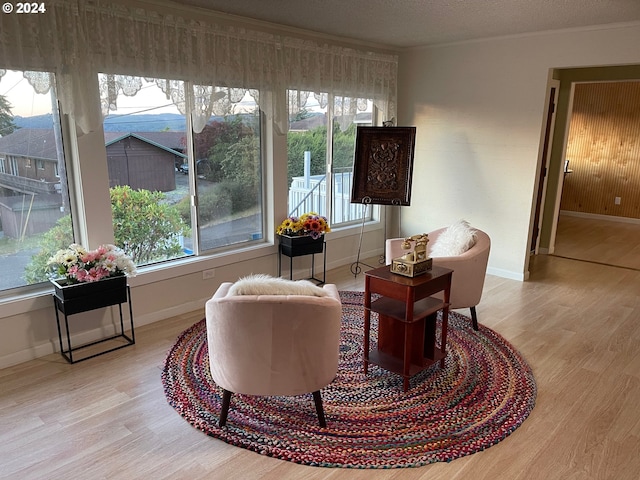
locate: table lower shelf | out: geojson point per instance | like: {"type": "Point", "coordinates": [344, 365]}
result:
{"type": "Point", "coordinates": [395, 364]}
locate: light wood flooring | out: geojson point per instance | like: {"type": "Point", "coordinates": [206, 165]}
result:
{"type": "Point", "coordinates": [576, 323]}
{"type": "Point", "coordinates": [596, 240]}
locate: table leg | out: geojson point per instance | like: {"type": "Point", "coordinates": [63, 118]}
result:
{"type": "Point", "coordinates": [367, 325]}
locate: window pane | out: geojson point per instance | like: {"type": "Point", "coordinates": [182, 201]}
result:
{"type": "Point", "coordinates": [145, 138]}
{"type": "Point", "coordinates": [229, 173]}
{"type": "Point", "coordinates": [307, 156]}
{"type": "Point", "coordinates": [35, 220]}
{"type": "Point", "coordinates": [344, 143]}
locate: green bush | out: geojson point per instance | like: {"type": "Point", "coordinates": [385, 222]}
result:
{"type": "Point", "coordinates": [144, 226]}
{"type": "Point", "coordinates": [58, 237]}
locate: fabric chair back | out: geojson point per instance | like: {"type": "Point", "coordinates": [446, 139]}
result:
{"type": "Point", "coordinates": [469, 268]}
{"type": "Point", "coordinates": [273, 344]}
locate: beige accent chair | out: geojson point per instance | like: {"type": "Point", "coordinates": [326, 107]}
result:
{"type": "Point", "coordinates": [273, 344]}
{"type": "Point", "coordinates": [469, 269]}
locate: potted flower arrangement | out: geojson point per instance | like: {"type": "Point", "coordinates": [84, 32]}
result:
{"type": "Point", "coordinates": [302, 235]}
{"type": "Point", "coordinates": [99, 276]}
{"type": "Point", "coordinates": [309, 223]}
{"type": "Point", "coordinates": [76, 264]}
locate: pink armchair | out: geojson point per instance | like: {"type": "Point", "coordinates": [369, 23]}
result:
{"type": "Point", "coordinates": [273, 344]}
{"type": "Point", "coordinates": [469, 269]}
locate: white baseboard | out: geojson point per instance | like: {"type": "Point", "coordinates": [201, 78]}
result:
{"type": "Point", "coordinates": [82, 338]}
{"type": "Point", "coordinates": [499, 272]}
{"type": "Point", "coordinates": [595, 216]}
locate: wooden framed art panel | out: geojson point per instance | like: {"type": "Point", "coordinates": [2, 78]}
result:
{"type": "Point", "coordinates": [383, 165]}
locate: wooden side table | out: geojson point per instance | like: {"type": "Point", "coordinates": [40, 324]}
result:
{"type": "Point", "coordinates": [406, 320]}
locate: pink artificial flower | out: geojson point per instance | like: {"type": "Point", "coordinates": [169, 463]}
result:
{"type": "Point", "coordinates": [81, 275]}
{"type": "Point", "coordinates": [94, 274]}
{"type": "Point", "coordinates": [89, 257]}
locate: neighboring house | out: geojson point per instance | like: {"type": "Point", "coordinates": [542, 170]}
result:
{"type": "Point", "coordinates": [134, 159]}
{"type": "Point", "coordinates": [30, 197]}
{"type": "Point", "coordinates": [30, 176]}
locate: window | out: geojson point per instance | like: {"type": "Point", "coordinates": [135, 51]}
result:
{"type": "Point", "coordinates": [153, 170]}
{"type": "Point", "coordinates": [35, 219]}
{"type": "Point", "coordinates": [309, 159]}
{"type": "Point", "coordinates": [229, 174]}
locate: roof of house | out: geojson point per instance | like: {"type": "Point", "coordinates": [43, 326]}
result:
{"type": "Point", "coordinates": [162, 140]}
{"type": "Point", "coordinates": [40, 142]}
{"type": "Point", "coordinates": [30, 142]}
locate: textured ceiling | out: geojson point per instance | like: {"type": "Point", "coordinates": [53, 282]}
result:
{"type": "Point", "coordinates": [410, 23]}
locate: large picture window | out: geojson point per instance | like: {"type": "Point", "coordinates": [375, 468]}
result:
{"type": "Point", "coordinates": [169, 141]}
{"type": "Point", "coordinates": [35, 218]}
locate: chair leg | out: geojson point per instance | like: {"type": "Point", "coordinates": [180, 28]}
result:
{"type": "Point", "coordinates": [474, 317]}
{"type": "Point", "coordinates": [319, 409]}
{"type": "Point", "coordinates": [226, 401]}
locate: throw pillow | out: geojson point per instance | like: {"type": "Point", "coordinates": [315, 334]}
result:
{"type": "Point", "coordinates": [455, 240]}
{"type": "Point", "coordinates": [260, 284]}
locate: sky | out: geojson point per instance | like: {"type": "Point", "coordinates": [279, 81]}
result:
{"type": "Point", "coordinates": [24, 100]}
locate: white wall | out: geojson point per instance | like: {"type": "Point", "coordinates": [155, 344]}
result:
{"type": "Point", "coordinates": [478, 108]}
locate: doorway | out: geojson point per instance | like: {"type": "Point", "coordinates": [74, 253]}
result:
{"type": "Point", "coordinates": [594, 215]}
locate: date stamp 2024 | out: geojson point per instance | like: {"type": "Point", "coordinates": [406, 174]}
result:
{"type": "Point", "coordinates": [24, 7]}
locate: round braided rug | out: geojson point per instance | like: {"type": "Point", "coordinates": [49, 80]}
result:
{"type": "Point", "coordinates": [485, 391]}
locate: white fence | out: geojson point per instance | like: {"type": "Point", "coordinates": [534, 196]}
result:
{"type": "Point", "coordinates": [309, 194]}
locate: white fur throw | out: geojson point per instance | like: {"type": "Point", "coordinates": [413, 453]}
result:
{"type": "Point", "coordinates": [455, 240]}
{"type": "Point", "coordinates": [260, 284]}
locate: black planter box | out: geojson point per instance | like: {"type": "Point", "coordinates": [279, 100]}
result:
{"type": "Point", "coordinates": [301, 245]}
{"type": "Point", "coordinates": [85, 296]}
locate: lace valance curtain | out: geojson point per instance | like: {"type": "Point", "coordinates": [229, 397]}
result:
{"type": "Point", "coordinates": [78, 38]}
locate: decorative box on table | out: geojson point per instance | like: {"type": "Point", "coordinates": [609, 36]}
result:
{"type": "Point", "coordinates": [411, 269]}
{"type": "Point", "coordinates": [416, 262]}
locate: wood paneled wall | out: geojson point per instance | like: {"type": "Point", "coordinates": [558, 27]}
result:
{"type": "Point", "coordinates": [603, 150]}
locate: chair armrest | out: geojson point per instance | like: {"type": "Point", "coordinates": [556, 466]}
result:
{"type": "Point", "coordinates": [222, 290]}
{"type": "Point", "coordinates": [393, 249]}
{"type": "Point", "coordinates": [332, 291]}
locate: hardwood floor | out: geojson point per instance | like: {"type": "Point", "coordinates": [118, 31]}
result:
{"type": "Point", "coordinates": [576, 323]}
{"type": "Point", "coordinates": [601, 241]}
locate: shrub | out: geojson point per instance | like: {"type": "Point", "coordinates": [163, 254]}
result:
{"type": "Point", "coordinates": [145, 227]}
{"type": "Point", "coordinates": [56, 238]}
